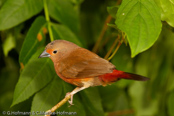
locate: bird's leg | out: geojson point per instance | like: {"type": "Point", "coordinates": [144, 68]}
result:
{"type": "Point", "coordinates": [77, 89]}
{"type": "Point", "coordinates": [68, 95]}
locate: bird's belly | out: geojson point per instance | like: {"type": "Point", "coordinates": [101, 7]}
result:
{"type": "Point", "coordinates": [90, 81]}
{"type": "Point", "coordinates": [80, 81]}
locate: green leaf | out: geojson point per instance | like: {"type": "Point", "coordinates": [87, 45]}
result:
{"type": "Point", "coordinates": [33, 39]}
{"type": "Point", "coordinates": [140, 20]}
{"type": "Point", "coordinates": [112, 11]}
{"type": "Point", "coordinates": [62, 32]}
{"type": "Point", "coordinates": [36, 74]}
{"type": "Point", "coordinates": [167, 10]}
{"type": "Point", "coordinates": [64, 12]}
{"type": "Point", "coordinates": [13, 12]}
{"type": "Point", "coordinates": [9, 44]}
{"type": "Point", "coordinates": [92, 102]}
{"type": "Point", "coordinates": [170, 103]}
{"type": "Point", "coordinates": [48, 97]}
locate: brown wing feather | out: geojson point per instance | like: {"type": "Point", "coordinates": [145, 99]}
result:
{"type": "Point", "coordinates": [82, 63]}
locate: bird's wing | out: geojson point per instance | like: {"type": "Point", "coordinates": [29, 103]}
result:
{"type": "Point", "coordinates": [82, 63]}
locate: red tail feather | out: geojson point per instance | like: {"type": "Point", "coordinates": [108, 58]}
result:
{"type": "Point", "coordinates": [116, 74]}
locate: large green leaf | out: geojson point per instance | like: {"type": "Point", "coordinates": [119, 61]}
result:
{"type": "Point", "coordinates": [62, 32]}
{"type": "Point", "coordinates": [167, 10]}
{"type": "Point", "coordinates": [13, 12]}
{"type": "Point", "coordinates": [47, 97]}
{"type": "Point", "coordinates": [33, 39]}
{"type": "Point", "coordinates": [64, 12]}
{"type": "Point", "coordinates": [140, 20]}
{"type": "Point", "coordinates": [36, 74]}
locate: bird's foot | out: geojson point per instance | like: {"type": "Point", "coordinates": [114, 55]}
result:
{"type": "Point", "coordinates": [70, 101]}
{"type": "Point", "coordinates": [77, 89]}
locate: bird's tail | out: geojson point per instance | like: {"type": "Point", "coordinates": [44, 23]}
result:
{"type": "Point", "coordinates": [117, 74]}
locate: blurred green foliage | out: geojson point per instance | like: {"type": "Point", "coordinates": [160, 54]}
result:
{"type": "Point", "coordinates": [31, 84]}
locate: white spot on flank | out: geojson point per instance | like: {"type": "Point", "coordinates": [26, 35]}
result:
{"type": "Point", "coordinates": [123, 14]}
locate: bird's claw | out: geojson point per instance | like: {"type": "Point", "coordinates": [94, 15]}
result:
{"type": "Point", "coordinates": [70, 101]}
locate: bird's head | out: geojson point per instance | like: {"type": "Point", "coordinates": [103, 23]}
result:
{"type": "Point", "coordinates": [58, 48]}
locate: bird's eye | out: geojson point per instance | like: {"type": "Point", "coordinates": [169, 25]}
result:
{"type": "Point", "coordinates": [55, 51]}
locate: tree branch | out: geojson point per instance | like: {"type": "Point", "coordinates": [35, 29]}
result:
{"type": "Point", "coordinates": [119, 44]}
{"type": "Point", "coordinates": [112, 47]}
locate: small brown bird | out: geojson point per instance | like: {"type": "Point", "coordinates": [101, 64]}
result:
{"type": "Point", "coordinates": [82, 67]}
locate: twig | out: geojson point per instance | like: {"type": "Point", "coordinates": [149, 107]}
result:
{"type": "Point", "coordinates": [105, 26]}
{"type": "Point", "coordinates": [105, 41]}
{"type": "Point", "coordinates": [112, 47]}
{"type": "Point", "coordinates": [119, 44]}
{"type": "Point", "coordinates": [48, 20]}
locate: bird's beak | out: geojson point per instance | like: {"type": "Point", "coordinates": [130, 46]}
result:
{"type": "Point", "coordinates": [44, 54]}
